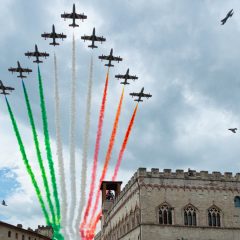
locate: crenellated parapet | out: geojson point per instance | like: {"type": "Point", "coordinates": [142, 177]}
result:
{"type": "Point", "coordinates": [190, 174]}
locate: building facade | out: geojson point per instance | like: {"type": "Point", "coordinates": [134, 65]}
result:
{"type": "Point", "coordinates": [10, 232]}
{"type": "Point", "coordinates": [174, 206]}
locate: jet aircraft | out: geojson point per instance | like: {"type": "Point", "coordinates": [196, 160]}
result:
{"type": "Point", "coordinates": [93, 38]}
{"type": "Point", "coordinates": [73, 16]}
{"type": "Point", "coordinates": [140, 95]}
{"type": "Point", "coordinates": [5, 88]}
{"type": "Point", "coordinates": [37, 54]}
{"type": "Point", "coordinates": [234, 130]}
{"type": "Point", "coordinates": [110, 58]}
{"type": "Point", "coordinates": [54, 36]}
{"type": "Point", "coordinates": [20, 70]}
{"type": "Point", "coordinates": [229, 14]}
{"type": "Point", "coordinates": [126, 77]}
{"type": "Point", "coordinates": [4, 203]}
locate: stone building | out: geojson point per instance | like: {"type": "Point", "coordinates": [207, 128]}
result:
{"type": "Point", "coordinates": [10, 232]}
{"type": "Point", "coordinates": [172, 206]}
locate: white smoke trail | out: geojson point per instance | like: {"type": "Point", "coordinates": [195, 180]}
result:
{"type": "Point", "coordinates": [60, 152]}
{"type": "Point", "coordinates": [85, 150]}
{"type": "Point", "coordinates": [73, 141]}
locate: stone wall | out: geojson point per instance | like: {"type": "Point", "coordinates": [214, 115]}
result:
{"type": "Point", "coordinates": [137, 206]}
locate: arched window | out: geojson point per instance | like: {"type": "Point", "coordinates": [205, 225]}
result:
{"type": "Point", "coordinates": [214, 217]}
{"type": "Point", "coordinates": [190, 216]}
{"type": "Point", "coordinates": [9, 234]}
{"type": "Point", "coordinates": [165, 214]}
{"type": "Point", "coordinates": [237, 202]}
{"type": "Point", "coordinates": [16, 235]}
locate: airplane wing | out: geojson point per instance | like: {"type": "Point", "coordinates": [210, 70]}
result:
{"type": "Point", "coordinates": [30, 54]}
{"type": "Point", "coordinates": [133, 77]}
{"type": "Point", "coordinates": [43, 54]}
{"type": "Point", "coordinates": [80, 16]}
{"type": "Point", "coordinates": [60, 35]}
{"type": "Point", "coordinates": [9, 88]}
{"type": "Point", "coordinates": [116, 59]}
{"type": "Point", "coordinates": [134, 94]}
{"type": "Point", "coordinates": [104, 57]}
{"type": "Point", "coordinates": [67, 15]}
{"type": "Point", "coordinates": [119, 76]}
{"type": "Point", "coordinates": [26, 70]}
{"type": "Point", "coordinates": [146, 95]}
{"type": "Point", "coordinates": [100, 39]}
{"type": "Point", "coordinates": [13, 69]}
{"type": "Point", "coordinates": [86, 37]}
{"type": "Point", "coordinates": [46, 35]}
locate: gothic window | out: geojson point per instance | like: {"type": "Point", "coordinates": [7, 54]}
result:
{"type": "Point", "coordinates": [190, 216]}
{"type": "Point", "coordinates": [165, 214]}
{"type": "Point", "coordinates": [214, 217]}
{"type": "Point", "coordinates": [237, 202]}
{"type": "Point", "coordinates": [133, 222]}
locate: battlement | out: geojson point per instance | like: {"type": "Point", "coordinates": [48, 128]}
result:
{"type": "Point", "coordinates": [190, 174]}
{"type": "Point", "coordinates": [178, 174]}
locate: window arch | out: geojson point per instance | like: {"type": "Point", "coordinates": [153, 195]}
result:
{"type": "Point", "coordinates": [214, 217]}
{"type": "Point", "coordinates": [237, 202]}
{"type": "Point", "coordinates": [190, 216]}
{"type": "Point", "coordinates": [165, 214]}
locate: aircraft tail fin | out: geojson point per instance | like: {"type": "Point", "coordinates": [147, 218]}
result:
{"type": "Point", "coordinates": [54, 44]}
{"type": "Point", "coordinates": [92, 46]}
{"type": "Point", "coordinates": [73, 25]}
{"type": "Point", "coordinates": [109, 65]}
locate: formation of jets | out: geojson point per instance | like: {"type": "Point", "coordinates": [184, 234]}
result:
{"type": "Point", "coordinates": [93, 38]}
{"type": "Point", "coordinates": [54, 36]}
{"type": "Point", "coordinates": [140, 95]}
{"type": "Point", "coordinates": [4, 89]}
{"type": "Point", "coordinates": [110, 58]}
{"type": "Point", "coordinates": [37, 54]}
{"type": "Point", "coordinates": [4, 203]}
{"type": "Point", "coordinates": [74, 16]}
{"type": "Point", "coordinates": [126, 77]}
{"type": "Point", "coordinates": [20, 70]}
{"type": "Point", "coordinates": [229, 14]}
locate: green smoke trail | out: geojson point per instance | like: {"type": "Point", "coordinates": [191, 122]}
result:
{"type": "Point", "coordinates": [39, 155]}
{"type": "Point", "coordinates": [27, 165]}
{"type": "Point", "coordinates": [49, 157]}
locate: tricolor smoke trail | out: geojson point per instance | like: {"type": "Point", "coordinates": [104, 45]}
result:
{"type": "Point", "coordinates": [92, 227]}
{"type": "Point", "coordinates": [27, 165]}
{"type": "Point", "coordinates": [124, 144]}
{"type": "Point", "coordinates": [38, 152]}
{"type": "Point", "coordinates": [97, 146]}
{"type": "Point", "coordinates": [49, 154]}
{"type": "Point", "coordinates": [109, 153]}
{"type": "Point", "coordinates": [85, 147]}
{"type": "Point", "coordinates": [73, 139]}
{"type": "Point", "coordinates": [60, 152]}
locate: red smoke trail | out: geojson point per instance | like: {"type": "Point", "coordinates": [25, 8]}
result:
{"type": "Point", "coordinates": [97, 146]}
{"type": "Point", "coordinates": [109, 153]}
{"type": "Point", "coordinates": [124, 144]}
{"type": "Point", "coordinates": [92, 227]}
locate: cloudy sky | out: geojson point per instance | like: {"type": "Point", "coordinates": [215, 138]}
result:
{"type": "Point", "coordinates": [182, 56]}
